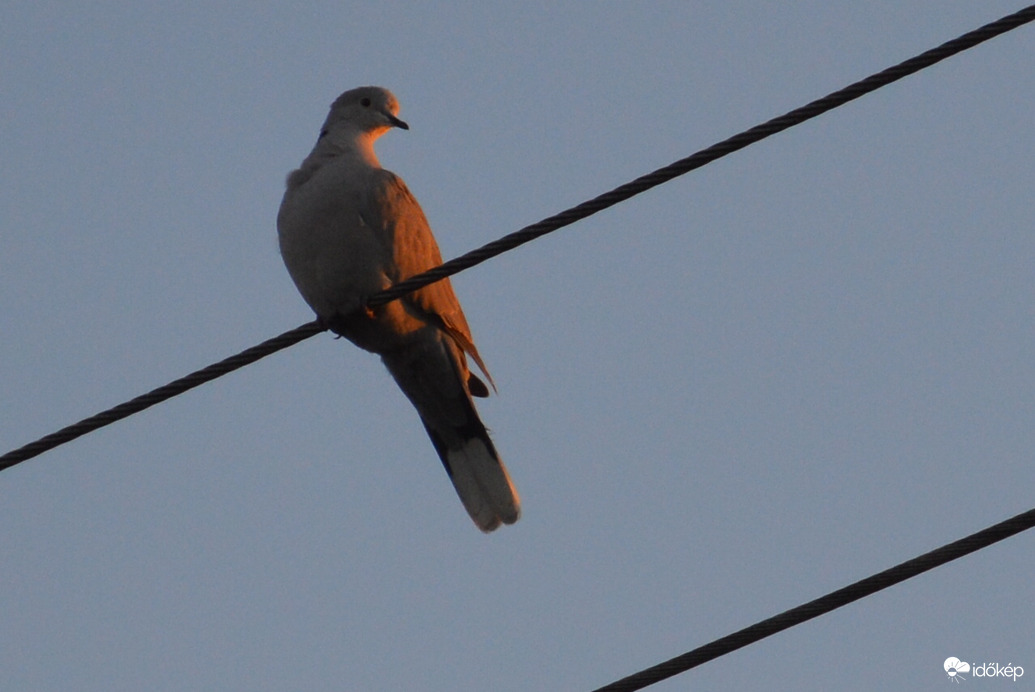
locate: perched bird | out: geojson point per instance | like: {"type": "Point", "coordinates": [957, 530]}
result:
{"type": "Point", "coordinates": [348, 229]}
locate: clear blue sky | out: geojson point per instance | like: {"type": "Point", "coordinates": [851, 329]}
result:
{"type": "Point", "coordinates": [791, 369]}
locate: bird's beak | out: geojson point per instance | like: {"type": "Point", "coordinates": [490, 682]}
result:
{"type": "Point", "coordinates": [395, 122]}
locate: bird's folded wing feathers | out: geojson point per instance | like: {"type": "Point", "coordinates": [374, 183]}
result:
{"type": "Point", "coordinates": [392, 207]}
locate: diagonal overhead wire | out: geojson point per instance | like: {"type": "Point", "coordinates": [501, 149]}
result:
{"type": "Point", "coordinates": [706, 156]}
{"type": "Point", "coordinates": [824, 604]}
{"type": "Point", "coordinates": [529, 233]}
{"type": "Point", "coordinates": [157, 396]}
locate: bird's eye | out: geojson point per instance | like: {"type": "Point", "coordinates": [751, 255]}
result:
{"type": "Point", "coordinates": [365, 102]}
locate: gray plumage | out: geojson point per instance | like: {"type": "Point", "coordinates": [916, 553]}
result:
{"type": "Point", "coordinates": [348, 229]}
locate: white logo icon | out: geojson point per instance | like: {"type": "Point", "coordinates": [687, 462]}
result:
{"type": "Point", "coordinates": [953, 667]}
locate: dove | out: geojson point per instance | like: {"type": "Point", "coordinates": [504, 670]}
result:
{"type": "Point", "coordinates": [348, 229]}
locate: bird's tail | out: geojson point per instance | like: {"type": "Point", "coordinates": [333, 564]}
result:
{"type": "Point", "coordinates": [433, 375]}
{"type": "Point", "coordinates": [478, 474]}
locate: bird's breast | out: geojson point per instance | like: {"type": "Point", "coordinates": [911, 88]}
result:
{"type": "Point", "coordinates": [333, 256]}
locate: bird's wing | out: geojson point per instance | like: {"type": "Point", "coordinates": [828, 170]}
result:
{"type": "Point", "coordinates": [393, 210]}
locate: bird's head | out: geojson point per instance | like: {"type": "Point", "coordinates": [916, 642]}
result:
{"type": "Point", "coordinates": [367, 110]}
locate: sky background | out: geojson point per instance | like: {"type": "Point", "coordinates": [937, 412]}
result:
{"type": "Point", "coordinates": [796, 367]}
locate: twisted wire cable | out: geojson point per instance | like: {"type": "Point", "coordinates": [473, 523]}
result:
{"type": "Point", "coordinates": [529, 233]}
